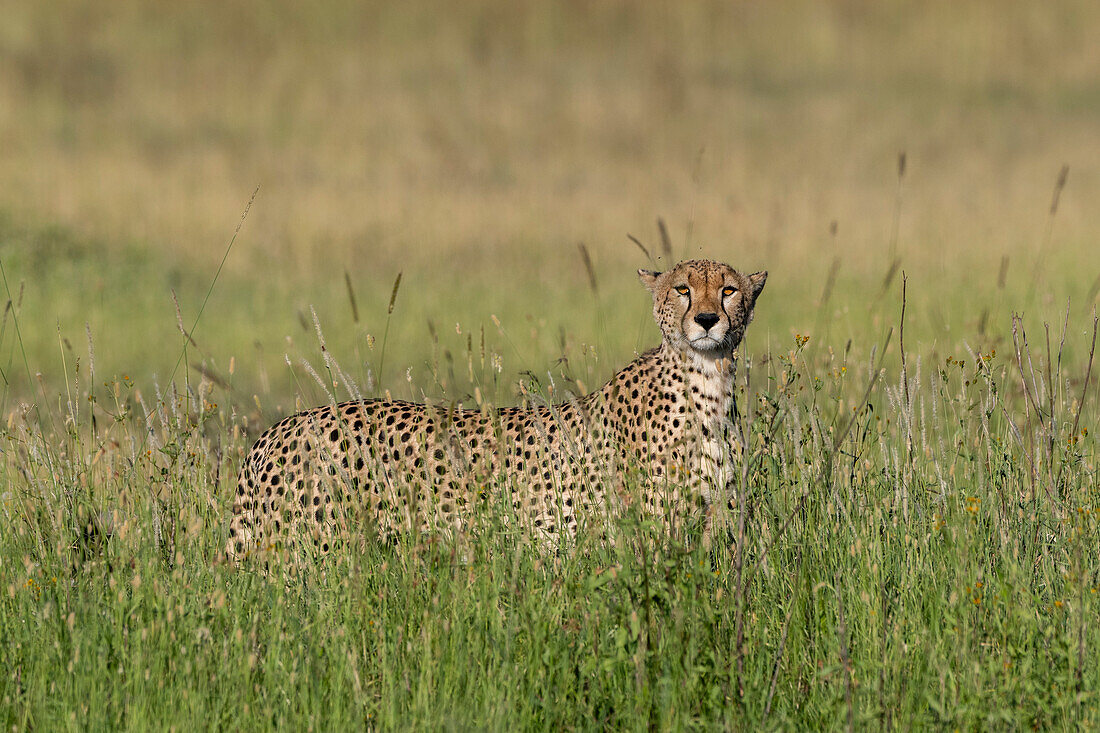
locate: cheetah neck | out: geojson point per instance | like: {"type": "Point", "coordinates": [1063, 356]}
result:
{"type": "Point", "coordinates": [705, 383]}
{"type": "Point", "coordinates": [708, 382]}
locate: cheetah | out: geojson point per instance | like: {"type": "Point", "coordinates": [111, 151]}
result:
{"type": "Point", "coordinates": [389, 467]}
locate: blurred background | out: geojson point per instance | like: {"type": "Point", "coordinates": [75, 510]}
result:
{"type": "Point", "coordinates": [474, 146]}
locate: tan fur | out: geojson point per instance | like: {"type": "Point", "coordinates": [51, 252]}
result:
{"type": "Point", "coordinates": [322, 476]}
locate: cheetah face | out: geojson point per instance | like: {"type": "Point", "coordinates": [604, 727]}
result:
{"type": "Point", "coordinates": [703, 306]}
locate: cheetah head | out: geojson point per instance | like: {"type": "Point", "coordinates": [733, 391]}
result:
{"type": "Point", "coordinates": [703, 306]}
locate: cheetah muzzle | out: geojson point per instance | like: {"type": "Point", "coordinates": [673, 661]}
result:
{"type": "Point", "coordinates": [377, 467]}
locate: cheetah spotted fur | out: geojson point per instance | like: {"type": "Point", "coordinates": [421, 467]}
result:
{"type": "Point", "coordinates": [320, 477]}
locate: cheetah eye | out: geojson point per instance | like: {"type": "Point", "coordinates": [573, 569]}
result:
{"type": "Point", "coordinates": [682, 289]}
{"type": "Point", "coordinates": [728, 290]}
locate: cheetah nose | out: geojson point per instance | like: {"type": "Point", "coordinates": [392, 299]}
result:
{"type": "Point", "coordinates": [706, 320]}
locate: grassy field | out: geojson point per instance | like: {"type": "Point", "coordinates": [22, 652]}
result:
{"type": "Point", "coordinates": [925, 509]}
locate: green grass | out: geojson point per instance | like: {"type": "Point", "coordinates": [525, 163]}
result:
{"type": "Point", "coordinates": [920, 554]}
{"type": "Point", "coordinates": [944, 584]}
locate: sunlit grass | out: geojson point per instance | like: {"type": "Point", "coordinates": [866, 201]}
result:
{"type": "Point", "coordinates": [918, 546]}
{"type": "Point", "coordinates": [914, 553]}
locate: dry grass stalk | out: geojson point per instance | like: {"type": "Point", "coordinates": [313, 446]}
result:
{"type": "Point", "coordinates": [588, 269]}
{"type": "Point", "coordinates": [666, 241]}
{"type": "Point", "coordinates": [351, 298]}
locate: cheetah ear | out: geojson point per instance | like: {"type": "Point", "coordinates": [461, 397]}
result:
{"type": "Point", "coordinates": [757, 279]}
{"type": "Point", "coordinates": [649, 278]}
